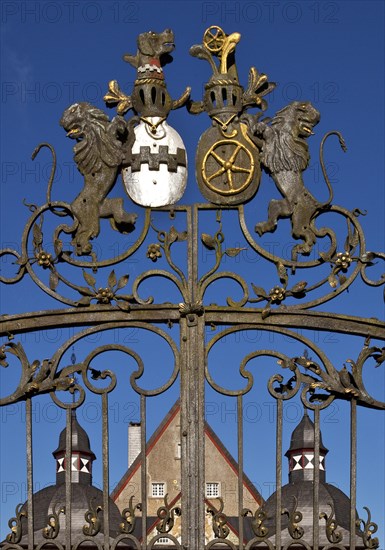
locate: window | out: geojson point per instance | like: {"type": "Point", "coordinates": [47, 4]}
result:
{"type": "Point", "coordinates": [213, 489]}
{"type": "Point", "coordinates": [158, 489]}
{"type": "Point", "coordinates": [178, 450]}
{"type": "Point", "coordinates": [163, 540]}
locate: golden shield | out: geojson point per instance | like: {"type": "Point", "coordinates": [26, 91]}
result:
{"type": "Point", "coordinates": [227, 166]}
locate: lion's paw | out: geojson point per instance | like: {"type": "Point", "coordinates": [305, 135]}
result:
{"type": "Point", "coordinates": [264, 227]}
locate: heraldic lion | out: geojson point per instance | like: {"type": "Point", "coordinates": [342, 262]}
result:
{"type": "Point", "coordinates": [285, 156]}
{"type": "Point", "coordinates": [98, 156]}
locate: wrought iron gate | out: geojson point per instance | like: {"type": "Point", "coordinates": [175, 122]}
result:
{"type": "Point", "coordinates": [230, 159]}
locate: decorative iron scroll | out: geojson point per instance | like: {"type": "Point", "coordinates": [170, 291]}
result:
{"type": "Point", "coordinates": [167, 514]}
{"type": "Point", "coordinates": [259, 516]}
{"type": "Point", "coordinates": [53, 524]}
{"type": "Point", "coordinates": [296, 531]}
{"type": "Point", "coordinates": [366, 529]}
{"type": "Point", "coordinates": [91, 517]}
{"type": "Point", "coordinates": [219, 520]}
{"type": "Point", "coordinates": [332, 534]}
{"type": "Point", "coordinates": [103, 292]}
{"type": "Point", "coordinates": [129, 518]}
{"type": "Point", "coordinates": [14, 524]}
{"type": "Point", "coordinates": [323, 382]}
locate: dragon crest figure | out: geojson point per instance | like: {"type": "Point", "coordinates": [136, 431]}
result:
{"type": "Point", "coordinates": [98, 155]}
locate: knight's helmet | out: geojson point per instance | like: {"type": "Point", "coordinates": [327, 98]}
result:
{"type": "Point", "coordinates": [151, 97]}
{"type": "Point", "coordinates": [223, 93]}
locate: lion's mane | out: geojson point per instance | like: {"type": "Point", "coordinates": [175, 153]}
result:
{"type": "Point", "coordinates": [98, 143]}
{"type": "Point", "coordinates": [284, 148]}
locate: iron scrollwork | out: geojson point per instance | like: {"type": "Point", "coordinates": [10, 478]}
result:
{"type": "Point", "coordinates": [94, 522]}
{"type": "Point", "coordinates": [231, 157]}
{"type": "Point", "coordinates": [36, 377]}
{"type": "Point", "coordinates": [257, 523]}
{"type": "Point", "coordinates": [155, 251]}
{"type": "Point", "coordinates": [214, 242]}
{"type": "Point", "coordinates": [308, 374]}
{"type": "Point", "coordinates": [129, 518]}
{"type": "Point", "coordinates": [365, 529]}
{"type": "Point", "coordinates": [53, 524]}
{"type": "Point", "coordinates": [295, 530]}
{"type": "Point", "coordinates": [219, 520]}
{"type": "Point", "coordinates": [166, 515]}
{"type": "Point", "coordinates": [331, 526]}
{"type": "Point", "coordinates": [14, 537]}
{"type": "Point", "coordinates": [343, 383]}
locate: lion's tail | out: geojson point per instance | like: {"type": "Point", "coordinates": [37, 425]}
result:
{"type": "Point", "coordinates": [321, 156]}
{"type": "Point", "coordinates": [53, 171]}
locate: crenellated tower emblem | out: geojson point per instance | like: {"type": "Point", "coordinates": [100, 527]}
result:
{"type": "Point", "coordinates": [154, 168]}
{"type": "Point", "coordinates": [227, 161]}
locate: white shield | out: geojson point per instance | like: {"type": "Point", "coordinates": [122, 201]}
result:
{"type": "Point", "coordinates": [165, 183]}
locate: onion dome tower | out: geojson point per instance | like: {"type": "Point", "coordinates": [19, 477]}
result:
{"type": "Point", "coordinates": [81, 457]}
{"type": "Point", "coordinates": [297, 496]}
{"type": "Point", "coordinates": [86, 500]}
{"type": "Point", "coordinates": [301, 452]}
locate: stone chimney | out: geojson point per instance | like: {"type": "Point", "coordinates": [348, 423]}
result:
{"type": "Point", "coordinates": [134, 437]}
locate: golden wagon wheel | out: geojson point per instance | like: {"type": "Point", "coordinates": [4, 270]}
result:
{"type": "Point", "coordinates": [213, 39]}
{"type": "Point", "coordinates": [227, 166]}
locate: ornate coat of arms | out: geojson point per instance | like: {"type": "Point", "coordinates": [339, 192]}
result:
{"type": "Point", "coordinates": [230, 156]}
{"type": "Point", "coordinates": [154, 169]}
{"type": "Point", "coordinates": [228, 169]}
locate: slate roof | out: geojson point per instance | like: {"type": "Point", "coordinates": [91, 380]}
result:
{"type": "Point", "coordinates": [303, 436]}
{"type": "Point", "coordinates": [297, 496]}
{"type": "Point", "coordinates": [80, 439]}
{"type": "Point", "coordinates": [83, 496]}
{"type": "Point", "coordinates": [301, 496]}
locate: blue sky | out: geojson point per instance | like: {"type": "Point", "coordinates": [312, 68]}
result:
{"type": "Point", "coordinates": [330, 53]}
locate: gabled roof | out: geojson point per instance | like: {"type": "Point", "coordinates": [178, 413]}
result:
{"type": "Point", "coordinates": [232, 462]}
{"type": "Point", "coordinates": [150, 444]}
{"type": "Point", "coordinates": [175, 409]}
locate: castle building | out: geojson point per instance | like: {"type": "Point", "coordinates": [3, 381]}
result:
{"type": "Point", "coordinates": [163, 453]}
{"type": "Point", "coordinates": [163, 488]}
{"type": "Point", "coordinates": [297, 496]}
